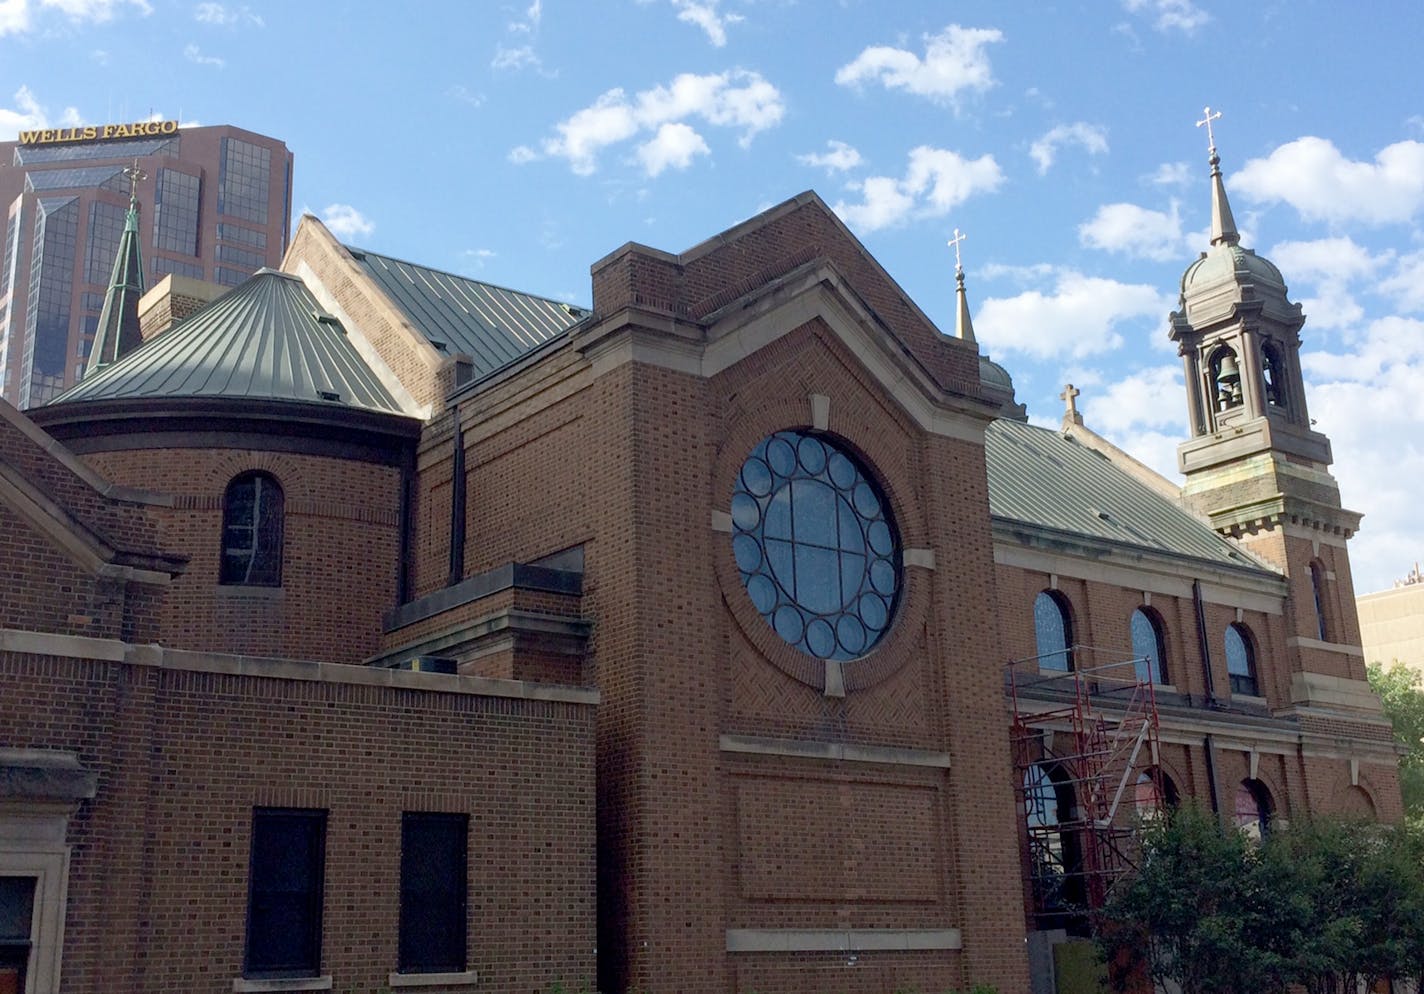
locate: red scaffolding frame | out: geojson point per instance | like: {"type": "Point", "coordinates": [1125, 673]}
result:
{"type": "Point", "coordinates": [1082, 738]}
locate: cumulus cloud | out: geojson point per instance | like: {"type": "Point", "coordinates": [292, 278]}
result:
{"type": "Point", "coordinates": [674, 146]}
{"type": "Point", "coordinates": [346, 222]}
{"type": "Point", "coordinates": [96, 11]}
{"type": "Point", "coordinates": [27, 114]}
{"type": "Point", "coordinates": [227, 17]}
{"type": "Point", "coordinates": [739, 99]}
{"type": "Point", "coordinates": [1171, 174]}
{"type": "Point", "coordinates": [195, 55]}
{"type": "Point", "coordinates": [935, 180]}
{"type": "Point", "coordinates": [1170, 15]}
{"type": "Point", "coordinates": [1330, 265]}
{"type": "Point", "coordinates": [1078, 316]}
{"type": "Point", "coordinates": [521, 54]}
{"type": "Point", "coordinates": [705, 14]}
{"type": "Point", "coordinates": [14, 17]}
{"type": "Point", "coordinates": [1148, 398]}
{"type": "Point", "coordinates": [1406, 283]}
{"type": "Point", "coordinates": [518, 57]}
{"type": "Point", "coordinates": [1136, 232]}
{"type": "Point", "coordinates": [1311, 175]}
{"type": "Point", "coordinates": [955, 61]}
{"type": "Point", "coordinates": [838, 157]}
{"type": "Point", "coordinates": [1092, 138]}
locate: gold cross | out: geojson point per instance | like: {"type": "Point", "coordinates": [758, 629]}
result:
{"type": "Point", "coordinates": [959, 236]}
{"type": "Point", "coordinates": [134, 173]}
{"type": "Point", "coordinates": [1210, 138]}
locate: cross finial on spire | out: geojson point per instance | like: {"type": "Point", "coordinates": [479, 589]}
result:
{"type": "Point", "coordinates": [959, 236]}
{"type": "Point", "coordinates": [135, 174]}
{"type": "Point", "coordinates": [1210, 137]}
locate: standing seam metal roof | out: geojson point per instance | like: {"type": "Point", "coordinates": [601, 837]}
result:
{"type": "Point", "coordinates": [459, 315]}
{"type": "Point", "coordinates": [267, 339]}
{"type": "Point", "coordinates": [1041, 478]}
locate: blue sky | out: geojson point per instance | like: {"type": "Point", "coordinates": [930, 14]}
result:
{"type": "Point", "coordinates": [519, 142]}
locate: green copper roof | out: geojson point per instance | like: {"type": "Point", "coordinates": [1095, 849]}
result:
{"type": "Point", "coordinates": [1040, 478]}
{"type": "Point", "coordinates": [267, 339]}
{"type": "Point", "coordinates": [459, 315]}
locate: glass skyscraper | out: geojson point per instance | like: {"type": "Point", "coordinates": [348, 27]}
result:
{"type": "Point", "coordinates": [215, 204]}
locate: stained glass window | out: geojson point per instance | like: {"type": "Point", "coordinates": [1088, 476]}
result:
{"type": "Point", "coordinates": [252, 531]}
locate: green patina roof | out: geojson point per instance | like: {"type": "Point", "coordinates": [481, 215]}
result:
{"type": "Point", "coordinates": [267, 339]}
{"type": "Point", "coordinates": [1042, 479]}
{"type": "Point", "coordinates": [459, 315]}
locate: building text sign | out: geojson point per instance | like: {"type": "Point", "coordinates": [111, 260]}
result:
{"type": "Point", "coordinates": [139, 129]}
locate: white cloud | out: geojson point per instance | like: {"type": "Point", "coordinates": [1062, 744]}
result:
{"type": "Point", "coordinates": [14, 17]}
{"type": "Point", "coordinates": [1311, 175]}
{"type": "Point", "coordinates": [465, 95]}
{"type": "Point", "coordinates": [1092, 138]}
{"type": "Point", "coordinates": [737, 99]}
{"type": "Point", "coordinates": [1149, 398]}
{"type": "Point", "coordinates": [474, 259]}
{"type": "Point", "coordinates": [519, 57]}
{"type": "Point", "coordinates": [935, 181]}
{"type": "Point", "coordinates": [95, 11]}
{"type": "Point", "coordinates": [674, 146]}
{"type": "Point", "coordinates": [1406, 283]}
{"type": "Point", "coordinates": [705, 14]}
{"type": "Point", "coordinates": [838, 158]}
{"type": "Point", "coordinates": [195, 55]}
{"type": "Point", "coordinates": [520, 154]}
{"type": "Point", "coordinates": [1136, 232]}
{"type": "Point", "coordinates": [28, 114]}
{"type": "Point", "coordinates": [216, 13]}
{"type": "Point", "coordinates": [1171, 174]}
{"type": "Point", "coordinates": [1080, 316]}
{"type": "Point", "coordinates": [1330, 264]}
{"type": "Point", "coordinates": [1171, 15]}
{"type": "Point", "coordinates": [346, 222]}
{"type": "Point", "coordinates": [954, 61]}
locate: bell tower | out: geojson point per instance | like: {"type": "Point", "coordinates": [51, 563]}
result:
{"type": "Point", "coordinates": [1255, 468]}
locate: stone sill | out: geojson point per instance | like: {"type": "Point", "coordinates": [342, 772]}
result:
{"type": "Point", "coordinates": [467, 978]}
{"type": "Point", "coordinates": [243, 984]}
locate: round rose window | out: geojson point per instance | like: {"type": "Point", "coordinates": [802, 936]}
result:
{"type": "Point", "coordinates": [815, 545]}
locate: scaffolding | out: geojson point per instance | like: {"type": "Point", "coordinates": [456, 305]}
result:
{"type": "Point", "coordinates": [1085, 746]}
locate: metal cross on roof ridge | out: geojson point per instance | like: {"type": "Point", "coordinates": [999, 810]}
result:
{"type": "Point", "coordinates": [953, 243]}
{"type": "Point", "coordinates": [1210, 138]}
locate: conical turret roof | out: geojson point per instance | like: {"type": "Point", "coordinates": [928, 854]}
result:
{"type": "Point", "coordinates": [118, 332]}
{"type": "Point", "coordinates": [267, 339]}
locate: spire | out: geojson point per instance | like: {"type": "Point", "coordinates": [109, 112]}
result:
{"type": "Point", "coordinates": [118, 331]}
{"type": "Point", "coordinates": [963, 326]}
{"type": "Point", "coordinates": [1223, 225]}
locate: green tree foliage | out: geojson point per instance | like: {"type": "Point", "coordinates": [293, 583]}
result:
{"type": "Point", "coordinates": [1401, 689]}
{"type": "Point", "coordinates": [1315, 905]}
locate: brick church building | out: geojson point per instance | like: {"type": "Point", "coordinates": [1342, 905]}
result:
{"type": "Point", "coordinates": [370, 627]}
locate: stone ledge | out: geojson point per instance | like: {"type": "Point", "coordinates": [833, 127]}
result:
{"type": "Point", "coordinates": [833, 751]}
{"type": "Point", "coordinates": [798, 940]}
{"type": "Point", "coordinates": [466, 978]}
{"type": "Point", "coordinates": [243, 984]}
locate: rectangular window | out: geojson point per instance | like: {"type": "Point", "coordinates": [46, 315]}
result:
{"type": "Point", "coordinates": [175, 212]}
{"type": "Point", "coordinates": [17, 906]}
{"type": "Point", "coordinates": [434, 850]}
{"type": "Point", "coordinates": [285, 893]}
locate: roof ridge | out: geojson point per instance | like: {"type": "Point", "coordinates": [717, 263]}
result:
{"type": "Point", "coordinates": [460, 276]}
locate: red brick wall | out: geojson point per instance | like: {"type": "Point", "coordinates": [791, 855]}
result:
{"type": "Point", "coordinates": [340, 549]}
{"type": "Point", "coordinates": [159, 872]}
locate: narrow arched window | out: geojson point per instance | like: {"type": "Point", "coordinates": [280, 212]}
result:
{"type": "Point", "coordinates": [1253, 809]}
{"type": "Point", "coordinates": [1241, 661]}
{"type": "Point", "coordinates": [1053, 628]}
{"type": "Point", "coordinates": [1149, 649]}
{"type": "Point", "coordinates": [1154, 794]}
{"type": "Point", "coordinates": [1055, 857]}
{"type": "Point", "coordinates": [1225, 378]}
{"type": "Point", "coordinates": [252, 531]}
{"type": "Point", "coordinates": [1317, 590]}
{"type": "Point", "coordinates": [1273, 371]}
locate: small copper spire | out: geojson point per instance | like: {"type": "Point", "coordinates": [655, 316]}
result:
{"type": "Point", "coordinates": [963, 326]}
{"type": "Point", "coordinates": [1223, 225]}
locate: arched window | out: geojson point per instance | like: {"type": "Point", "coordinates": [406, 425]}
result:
{"type": "Point", "coordinates": [1148, 647]}
{"type": "Point", "coordinates": [1253, 809]}
{"type": "Point", "coordinates": [1273, 370]}
{"type": "Point", "coordinates": [1225, 378]}
{"type": "Point", "coordinates": [1053, 628]}
{"type": "Point", "coordinates": [1054, 854]}
{"type": "Point", "coordinates": [1241, 660]}
{"type": "Point", "coordinates": [252, 531]}
{"type": "Point", "coordinates": [1317, 590]}
{"type": "Point", "coordinates": [1154, 793]}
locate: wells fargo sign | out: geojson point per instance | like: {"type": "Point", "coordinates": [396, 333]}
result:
{"type": "Point", "coordinates": [140, 129]}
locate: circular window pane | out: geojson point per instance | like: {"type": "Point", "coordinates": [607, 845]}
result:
{"type": "Point", "coordinates": [815, 545]}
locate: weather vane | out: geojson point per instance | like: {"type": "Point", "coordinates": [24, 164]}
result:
{"type": "Point", "coordinates": [959, 236]}
{"type": "Point", "coordinates": [134, 173]}
{"type": "Point", "coordinates": [1210, 138]}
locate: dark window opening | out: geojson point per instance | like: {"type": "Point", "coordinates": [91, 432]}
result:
{"type": "Point", "coordinates": [1273, 371]}
{"type": "Point", "coordinates": [1225, 378]}
{"type": "Point", "coordinates": [434, 852]}
{"type": "Point", "coordinates": [285, 893]}
{"type": "Point", "coordinates": [1317, 589]}
{"type": "Point", "coordinates": [17, 907]}
{"type": "Point", "coordinates": [252, 531]}
{"type": "Point", "coordinates": [1253, 809]}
